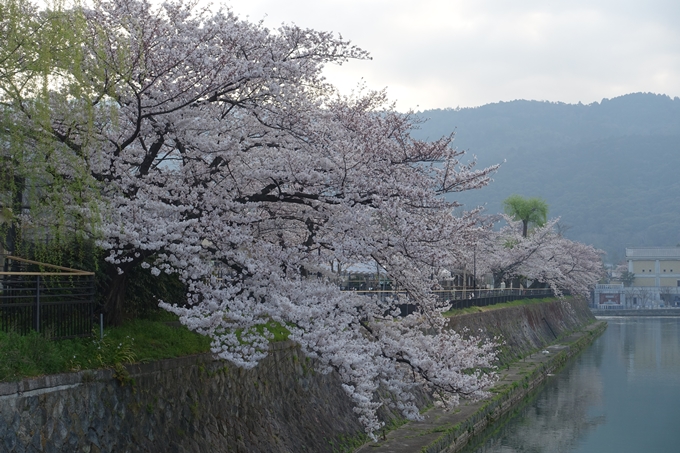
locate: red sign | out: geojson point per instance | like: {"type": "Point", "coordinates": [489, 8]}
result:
{"type": "Point", "coordinates": [610, 298]}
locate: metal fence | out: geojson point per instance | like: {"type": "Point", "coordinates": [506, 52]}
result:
{"type": "Point", "coordinates": [462, 298]}
{"type": "Point", "coordinates": [55, 300]}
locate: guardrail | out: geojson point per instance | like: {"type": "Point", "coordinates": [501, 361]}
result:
{"type": "Point", "coordinates": [609, 307]}
{"type": "Point", "coordinates": [461, 298]}
{"type": "Point", "coordinates": [46, 298]}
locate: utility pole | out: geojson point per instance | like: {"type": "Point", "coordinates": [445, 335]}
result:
{"type": "Point", "coordinates": [474, 269]}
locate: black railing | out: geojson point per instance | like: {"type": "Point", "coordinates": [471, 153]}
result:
{"type": "Point", "coordinates": [462, 298]}
{"type": "Point", "coordinates": [485, 297]}
{"type": "Point", "coordinates": [54, 300]}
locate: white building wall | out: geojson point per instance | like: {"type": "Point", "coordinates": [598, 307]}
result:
{"type": "Point", "coordinates": [636, 297]}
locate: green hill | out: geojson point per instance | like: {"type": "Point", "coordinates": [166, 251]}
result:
{"type": "Point", "coordinates": [610, 170]}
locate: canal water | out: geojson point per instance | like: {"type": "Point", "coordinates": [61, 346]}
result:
{"type": "Point", "coordinates": [621, 395]}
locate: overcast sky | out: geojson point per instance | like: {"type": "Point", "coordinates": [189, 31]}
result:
{"type": "Point", "coordinates": [449, 53]}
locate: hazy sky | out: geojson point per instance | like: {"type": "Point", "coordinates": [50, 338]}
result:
{"type": "Point", "coordinates": [448, 53]}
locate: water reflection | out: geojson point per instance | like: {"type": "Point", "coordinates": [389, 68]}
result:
{"type": "Point", "coordinates": [649, 348]}
{"type": "Point", "coordinates": [621, 395]}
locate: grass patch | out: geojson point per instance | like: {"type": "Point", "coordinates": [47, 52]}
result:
{"type": "Point", "coordinates": [29, 355]}
{"type": "Point", "coordinates": [135, 341]}
{"type": "Point", "coordinates": [347, 443]}
{"type": "Point", "coordinates": [138, 340]}
{"type": "Point", "coordinates": [514, 303]}
{"type": "Point", "coordinates": [154, 340]}
{"type": "Point", "coordinates": [277, 331]}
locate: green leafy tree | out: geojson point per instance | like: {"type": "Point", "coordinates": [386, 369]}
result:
{"type": "Point", "coordinates": [528, 210]}
{"type": "Point", "coordinates": [627, 278]}
{"type": "Point", "coordinates": [40, 55]}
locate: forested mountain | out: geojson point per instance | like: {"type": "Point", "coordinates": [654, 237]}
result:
{"type": "Point", "coordinates": [610, 170]}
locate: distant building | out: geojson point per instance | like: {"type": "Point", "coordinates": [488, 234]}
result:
{"type": "Point", "coordinates": [656, 283]}
{"type": "Point", "coordinates": [654, 266]}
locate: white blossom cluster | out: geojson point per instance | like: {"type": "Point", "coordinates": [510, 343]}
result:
{"type": "Point", "coordinates": [544, 256]}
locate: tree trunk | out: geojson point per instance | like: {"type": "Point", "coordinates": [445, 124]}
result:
{"type": "Point", "coordinates": [12, 240]}
{"type": "Point", "coordinates": [497, 279]}
{"type": "Point", "coordinates": [538, 285]}
{"type": "Point", "coordinates": [114, 296]}
{"type": "Point", "coordinates": [115, 292]}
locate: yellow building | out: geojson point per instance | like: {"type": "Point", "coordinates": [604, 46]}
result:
{"type": "Point", "coordinates": [656, 283]}
{"type": "Point", "coordinates": [654, 266]}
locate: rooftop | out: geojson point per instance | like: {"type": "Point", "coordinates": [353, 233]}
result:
{"type": "Point", "coordinates": [653, 252]}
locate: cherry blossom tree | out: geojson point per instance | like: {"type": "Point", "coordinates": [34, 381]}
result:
{"type": "Point", "coordinates": [543, 255]}
{"type": "Point", "coordinates": [215, 150]}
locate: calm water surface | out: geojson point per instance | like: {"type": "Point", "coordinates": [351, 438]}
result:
{"type": "Point", "coordinates": [622, 395]}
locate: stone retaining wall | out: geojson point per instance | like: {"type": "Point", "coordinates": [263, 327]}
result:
{"type": "Point", "coordinates": [192, 404]}
{"type": "Point", "coordinates": [527, 328]}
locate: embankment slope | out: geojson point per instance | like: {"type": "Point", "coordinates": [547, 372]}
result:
{"type": "Point", "coordinates": [198, 404]}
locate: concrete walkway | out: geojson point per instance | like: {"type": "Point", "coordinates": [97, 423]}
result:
{"type": "Point", "coordinates": [450, 431]}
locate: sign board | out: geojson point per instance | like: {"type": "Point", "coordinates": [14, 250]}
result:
{"type": "Point", "coordinates": [614, 298]}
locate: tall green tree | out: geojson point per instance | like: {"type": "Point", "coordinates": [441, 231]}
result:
{"type": "Point", "coordinates": [627, 278]}
{"type": "Point", "coordinates": [42, 93]}
{"type": "Point", "coordinates": [528, 210]}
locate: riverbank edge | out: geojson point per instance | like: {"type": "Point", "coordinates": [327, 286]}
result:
{"type": "Point", "coordinates": [658, 312]}
{"type": "Point", "coordinates": [451, 432]}
{"type": "Point", "coordinates": [457, 437]}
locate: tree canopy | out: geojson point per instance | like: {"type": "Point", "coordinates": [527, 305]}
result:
{"type": "Point", "coordinates": [201, 145]}
{"type": "Point", "coordinates": [527, 210]}
{"type": "Point", "coordinates": [38, 49]}
{"type": "Point", "coordinates": [544, 256]}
